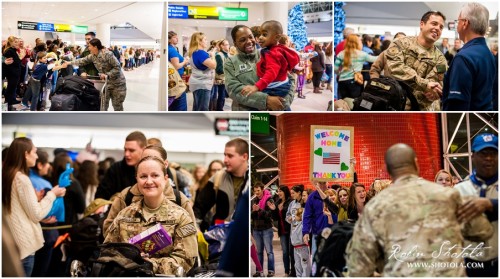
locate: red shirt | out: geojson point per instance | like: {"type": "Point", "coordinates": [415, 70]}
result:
{"type": "Point", "coordinates": [340, 47]}
{"type": "Point", "coordinates": [274, 64]}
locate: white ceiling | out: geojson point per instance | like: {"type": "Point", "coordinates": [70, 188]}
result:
{"type": "Point", "coordinates": [146, 16]}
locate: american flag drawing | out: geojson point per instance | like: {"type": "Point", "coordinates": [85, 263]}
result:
{"type": "Point", "coordinates": [331, 158]}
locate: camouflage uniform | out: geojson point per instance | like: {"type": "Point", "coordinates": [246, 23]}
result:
{"type": "Point", "coordinates": [119, 202]}
{"type": "Point", "coordinates": [89, 69]}
{"type": "Point", "coordinates": [417, 66]}
{"type": "Point", "coordinates": [106, 63]}
{"type": "Point", "coordinates": [416, 217]}
{"type": "Point", "coordinates": [184, 250]}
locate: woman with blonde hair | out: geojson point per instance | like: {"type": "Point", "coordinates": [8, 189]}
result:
{"type": "Point", "coordinates": [444, 178]}
{"type": "Point", "coordinates": [347, 64]}
{"type": "Point", "coordinates": [203, 71]}
{"type": "Point", "coordinates": [11, 69]}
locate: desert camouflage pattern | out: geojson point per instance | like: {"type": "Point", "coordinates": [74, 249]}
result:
{"type": "Point", "coordinates": [412, 222]}
{"type": "Point", "coordinates": [417, 66]}
{"type": "Point", "coordinates": [176, 221]}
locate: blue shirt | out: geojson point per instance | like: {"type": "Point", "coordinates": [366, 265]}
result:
{"type": "Point", "coordinates": [199, 57]}
{"type": "Point", "coordinates": [39, 182]}
{"type": "Point", "coordinates": [40, 71]}
{"type": "Point", "coordinates": [172, 53]}
{"type": "Point", "coordinates": [468, 84]}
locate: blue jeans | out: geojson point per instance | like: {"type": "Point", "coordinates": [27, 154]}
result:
{"type": "Point", "coordinates": [281, 90]}
{"type": "Point", "coordinates": [28, 264]}
{"type": "Point", "coordinates": [32, 93]}
{"type": "Point", "coordinates": [285, 245]}
{"type": "Point", "coordinates": [314, 246]}
{"type": "Point", "coordinates": [264, 239]}
{"type": "Point", "coordinates": [329, 72]}
{"type": "Point", "coordinates": [201, 100]}
{"type": "Point", "coordinates": [221, 96]}
{"type": "Point", "coordinates": [179, 104]}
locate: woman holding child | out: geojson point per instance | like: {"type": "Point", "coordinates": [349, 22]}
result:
{"type": "Point", "coordinates": [240, 70]}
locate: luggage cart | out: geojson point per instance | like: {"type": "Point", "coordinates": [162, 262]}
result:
{"type": "Point", "coordinates": [100, 85]}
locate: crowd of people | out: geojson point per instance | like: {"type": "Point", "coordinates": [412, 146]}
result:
{"type": "Point", "coordinates": [32, 72]}
{"type": "Point", "coordinates": [440, 77]}
{"type": "Point", "coordinates": [262, 70]}
{"type": "Point", "coordinates": [112, 193]}
{"type": "Point", "coordinates": [428, 217]}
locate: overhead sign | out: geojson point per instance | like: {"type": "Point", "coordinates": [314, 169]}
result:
{"type": "Point", "coordinates": [331, 150]}
{"type": "Point", "coordinates": [51, 27]}
{"type": "Point", "coordinates": [177, 11]}
{"type": "Point", "coordinates": [205, 12]}
{"type": "Point", "coordinates": [239, 14]}
{"type": "Point", "coordinates": [234, 127]}
{"type": "Point", "coordinates": [260, 123]}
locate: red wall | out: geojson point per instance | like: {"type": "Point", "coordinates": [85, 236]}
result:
{"type": "Point", "coordinates": [373, 134]}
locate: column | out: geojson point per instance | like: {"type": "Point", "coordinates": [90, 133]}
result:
{"type": "Point", "coordinates": [277, 11]}
{"type": "Point", "coordinates": [103, 33]}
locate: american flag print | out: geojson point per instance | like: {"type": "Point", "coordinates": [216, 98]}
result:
{"type": "Point", "coordinates": [331, 158]}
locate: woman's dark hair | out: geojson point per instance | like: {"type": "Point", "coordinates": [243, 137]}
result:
{"type": "Point", "coordinates": [41, 47]}
{"type": "Point", "coordinates": [15, 161]}
{"type": "Point", "coordinates": [59, 166]}
{"type": "Point", "coordinates": [298, 189]}
{"type": "Point", "coordinates": [385, 45]}
{"type": "Point", "coordinates": [352, 193]}
{"type": "Point", "coordinates": [88, 174]}
{"type": "Point", "coordinates": [207, 175]}
{"type": "Point", "coordinates": [235, 30]}
{"type": "Point", "coordinates": [43, 158]}
{"type": "Point", "coordinates": [285, 190]}
{"type": "Point", "coordinates": [318, 49]}
{"type": "Point", "coordinates": [97, 43]}
{"type": "Point", "coordinates": [53, 48]}
{"type": "Point", "coordinates": [171, 34]}
{"type": "Point", "coordinates": [367, 38]}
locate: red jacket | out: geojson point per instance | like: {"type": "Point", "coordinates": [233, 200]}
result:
{"type": "Point", "coordinates": [274, 64]}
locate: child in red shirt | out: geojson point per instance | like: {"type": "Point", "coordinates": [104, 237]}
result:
{"type": "Point", "coordinates": [275, 62]}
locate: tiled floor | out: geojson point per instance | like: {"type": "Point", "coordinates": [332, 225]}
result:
{"type": "Point", "coordinates": [142, 88]}
{"type": "Point", "coordinates": [312, 102]}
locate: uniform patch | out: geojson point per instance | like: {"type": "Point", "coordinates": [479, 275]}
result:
{"type": "Point", "coordinates": [393, 51]}
{"type": "Point", "coordinates": [187, 230]}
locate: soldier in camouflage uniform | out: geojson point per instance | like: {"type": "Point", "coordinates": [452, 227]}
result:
{"type": "Point", "coordinates": [154, 208]}
{"type": "Point", "coordinates": [416, 61]}
{"type": "Point", "coordinates": [411, 228]}
{"type": "Point", "coordinates": [108, 66]}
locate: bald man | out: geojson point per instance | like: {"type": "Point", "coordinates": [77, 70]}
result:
{"type": "Point", "coordinates": [411, 229]}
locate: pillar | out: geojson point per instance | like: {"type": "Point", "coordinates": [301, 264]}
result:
{"type": "Point", "coordinates": [277, 11]}
{"type": "Point", "coordinates": [103, 33]}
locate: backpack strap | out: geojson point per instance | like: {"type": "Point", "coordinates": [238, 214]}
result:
{"type": "Point", "coordinates": [177, 196]}
{"type": "Point", "coordinates": [413, 101]}
{"type": "Point", "coordinates": [128, 197]}
{"type": "Point", "coordinates": [174, 176]}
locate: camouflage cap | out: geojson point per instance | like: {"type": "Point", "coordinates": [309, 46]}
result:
{"type": "Point", "coordinates": [93, 206]}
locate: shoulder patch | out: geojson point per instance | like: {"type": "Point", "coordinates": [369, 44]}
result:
{"type": "Point", "coordinates": [186, 230]}
{"type": "Point", "coordinates": [392, 51]}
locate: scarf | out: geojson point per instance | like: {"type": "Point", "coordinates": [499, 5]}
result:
{"type": "Point", "coordinates": [263, 200]}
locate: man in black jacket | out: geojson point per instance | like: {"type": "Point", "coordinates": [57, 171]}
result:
{"type": "Point", "coordinates": [225, 186]}
{"type": "Point", "coordinates": [122, 174]}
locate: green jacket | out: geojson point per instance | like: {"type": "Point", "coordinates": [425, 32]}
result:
{"type": "Point", "coordinates": [90, 69]}
{"type": "Point", "coordinates": [239, 71]}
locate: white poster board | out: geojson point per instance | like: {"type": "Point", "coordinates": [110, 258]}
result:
{"type": "Point", "coordinates": [331, 149]}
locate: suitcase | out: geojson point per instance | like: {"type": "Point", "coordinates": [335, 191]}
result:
{"type": "Point", "coordinates": [84, 90]}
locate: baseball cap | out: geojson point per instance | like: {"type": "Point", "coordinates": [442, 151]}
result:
{"type": "Point", "coordinates": [94, 205]}
{"type": "Point", "coordinates": [483, 141]}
